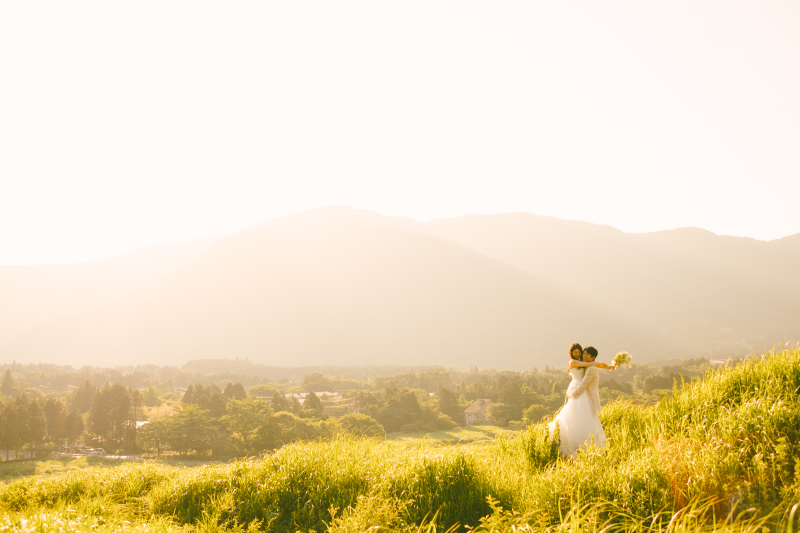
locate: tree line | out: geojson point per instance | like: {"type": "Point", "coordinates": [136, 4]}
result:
{"type": "Point", "coordinates": [232, 419]}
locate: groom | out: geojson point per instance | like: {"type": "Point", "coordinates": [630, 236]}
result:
{"type": "Point", "coordinates": [591, 380]}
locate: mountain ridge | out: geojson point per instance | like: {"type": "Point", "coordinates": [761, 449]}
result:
{"type": "Point", "coordinates": [680, 292]}
{"type": "Point", "coordinates": [408, 297]}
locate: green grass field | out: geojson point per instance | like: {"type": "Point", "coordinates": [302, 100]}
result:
{"type": "Point", "coordinates": [723, 454]}
{"type": "Point", "coordinates": [449, 437]}
{"type": "Point", "coordinates": [16, 469]}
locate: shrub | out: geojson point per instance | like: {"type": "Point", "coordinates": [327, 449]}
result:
{"type": "Point", "coordinates": [362, 426]}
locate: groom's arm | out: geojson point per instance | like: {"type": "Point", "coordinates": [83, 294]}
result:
{"type": "Point", "coordinates": [591, 375]}
{"type": "Point", "coordinates": [586, 364]}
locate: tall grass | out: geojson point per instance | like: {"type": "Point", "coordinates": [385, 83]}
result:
{"type": "Point", "coordinates": [720, 454]}
{"type": "Point", "coordinates": [305, 485]}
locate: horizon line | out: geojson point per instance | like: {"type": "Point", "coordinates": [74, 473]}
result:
{"type": "Point", "coordinates": [344, 206]}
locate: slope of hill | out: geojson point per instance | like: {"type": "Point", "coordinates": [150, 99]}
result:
{"type": "Point", "coordinates": [353, 287]}
{"type": "Point", "coordinates": [719, 455]}
{"type": "Point", "coordinates": [340, 289]}
{"type": "Point", "coordinates": [790, 244]}
{"type": "Point", "coordinates": [33, 295]}
{"type": "Point", "coordinates": [710, 294]}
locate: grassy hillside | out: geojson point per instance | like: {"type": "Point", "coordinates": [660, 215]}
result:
{"type": "Point", "coordinates": [723, 452]}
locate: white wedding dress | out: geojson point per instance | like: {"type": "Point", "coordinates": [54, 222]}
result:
{"type": "Point", "coordinates": [577, 421]}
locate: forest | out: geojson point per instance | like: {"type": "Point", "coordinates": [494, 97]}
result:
{"type": "Point", "coordinates": [146, 410]}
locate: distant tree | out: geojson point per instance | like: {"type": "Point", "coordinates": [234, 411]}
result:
{"type": "Point", "coordinates": [502, 413]}
{"type": "Point", "coordinates": [509, 405]}
{"type": "Point", "coordinates": [35, 423]}
{"type": "Point", "coordinates": [262, 390]}
{"type": "Point", "coordinates": [154, 435]}
{"type": "Point", "coordinates": [3, 425]}
{"type": "Point", "coordinates": [312, 406]}
{"type": "Point", "coordinates": [400, 410]}
{"type": "Point", "coordinates": [281, 403]}
{"type": "Point", "coordinates": [120, 400]}
{"type": "Point", "coordinates": [511, 394]}
{"type": "Point", "coordinates": [433, 380]}
{"type": "Point", "coordinates": [11, 425]}
{"type": "Point", "coordinates": [396, 409]}
{"type": "Point", "coordinates": [55, 412]}
{"type": "Point", "coordinates": [209, 398]}
{"type": "Point", "coordinates": [530, 396]}
{"type": "Point", "coordinates": [74, 427]}
{"type": "Point", "coordinates": [22, 423]}
{"type": "Point", "coordinates": [110, 411]}
{"type": "Point", "coordinates": [234, 391]}
{"type": "Point", "coordinates": [151, 397]}
{"type": "Point", "coordinates": [250, 424]}
{"type": "Point", "coordinates": [213, 401]}
{"type": "Point", "coordinates": [316, 382]}
{"type": "Point", "coordinates": [291, 428]}
{"type": "Point", "coordinates": [7, 388]}
{"type": "Point", "coordinates": [620, 386]}
{"type": "Point", "coordinates": [189, 396]}
{"type": "Point", "coordinates": [294, 405]}
{"type": "Point", "coordinates": [99, 419]}
{"type": "Point", "coordinates": [83, 396]}
{"type": "Point", "coordinates": [534, 413]}
{"type": "Point", "coordinates": [660, 382]}
{"type": "Point", "coordinates": [190, 429]}
{"type": "Point", "coordinates": [449, 405]}
{"type": "Point", "coordinates": [362, 426]}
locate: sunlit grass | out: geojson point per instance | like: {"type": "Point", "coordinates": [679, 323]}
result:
{"type": "Point", "coordinates": [459, 435]}
{"type": "Point", "coordinates": [721, 455]}
{"type": "Point", "coordinates": [10, 470]}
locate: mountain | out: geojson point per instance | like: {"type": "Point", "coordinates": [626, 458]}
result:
{"type": "Point", "coordinates": [790, 244]}
{"type": "Point", "coordinates": [709, 294]}
{"type": "Point", "coordinates": [345, 286]}
{"type": "Point", "coordinates": [335, 286]}
{"type": "Point", "coordinates": [32, 295]}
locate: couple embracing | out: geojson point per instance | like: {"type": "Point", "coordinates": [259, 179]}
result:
{"type": "Point", "coordinates": [578, 421]}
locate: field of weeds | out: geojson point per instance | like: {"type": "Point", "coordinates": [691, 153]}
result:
{"type": "Point", "coordinates": [721, 454]}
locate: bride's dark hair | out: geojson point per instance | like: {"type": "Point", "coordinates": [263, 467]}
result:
{"type": "Point", "coordinates": [572, 349]}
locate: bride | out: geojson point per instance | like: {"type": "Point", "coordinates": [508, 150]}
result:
{"type": "Point", "coordinates": [578, 421]}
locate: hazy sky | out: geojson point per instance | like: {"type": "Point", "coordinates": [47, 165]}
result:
{"type": "Point", "coordinates": [128, 123]}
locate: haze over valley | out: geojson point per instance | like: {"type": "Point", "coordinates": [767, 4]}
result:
{"type": "Point", "coordinates": [343, 286]}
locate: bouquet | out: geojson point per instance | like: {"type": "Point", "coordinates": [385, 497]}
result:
{"type": "Point", "coordinates": [622, 358]}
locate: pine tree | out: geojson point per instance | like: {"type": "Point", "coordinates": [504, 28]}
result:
{"type": "Point", "coordinates": [36, 423]}
{"type": "Point", "coordinates": [312, 405]}
{"type": "Point", "coordinates": [448, 404]}
{"type": "Point", "coordinates": [83, 396]}
{"type": "Point", "coordinates": [99, 416]}
{"type": "Point", "coordinates": [55, 411]}
{"type": "Point", "coordinates": [13, 423]}
{"type": "Point", "coordinates": [234, 391]}
{"type": "Point", "coordinates": [511, 394]}
{"type": "Point", "coordinates": [7, 388]}
{"type": "Point", "coordinates": [119, 399]}
{"type": "Point", "coordinates": [74, 426]}
{"type": "Point", "coordinates": [280, 403]}
{"type": "Point", "coordinates": [210, 398]}
{"type": "Point", "coordinates": [189, 395]}
{"type": "Point", "coordinates": [151, 397]}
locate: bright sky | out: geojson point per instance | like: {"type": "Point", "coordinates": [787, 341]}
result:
{"type": "Point", "coordinates": [124, 124]}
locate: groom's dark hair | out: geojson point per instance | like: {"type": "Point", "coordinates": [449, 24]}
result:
{"type": "Point", "coordinates": [592, 351]}
{"type": "Point", "coordinates": [575, 345]}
